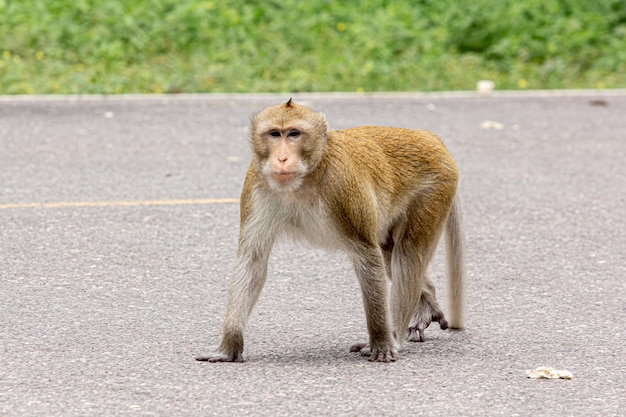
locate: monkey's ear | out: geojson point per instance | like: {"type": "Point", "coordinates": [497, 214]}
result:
{"type": "Point", "coordinates": [289, 103]}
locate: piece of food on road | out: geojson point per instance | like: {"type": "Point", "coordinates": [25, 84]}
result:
{"type": "Point", "coordinates": [549, 373]}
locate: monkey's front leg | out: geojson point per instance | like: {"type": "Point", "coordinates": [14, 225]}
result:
{"type": "Point", "coordinates": [245, 286]}
{"type": "Point", "coordinates": [370, 270]}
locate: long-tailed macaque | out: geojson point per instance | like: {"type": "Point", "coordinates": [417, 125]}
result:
{"type": "Point", "coordinates": [383, 195]}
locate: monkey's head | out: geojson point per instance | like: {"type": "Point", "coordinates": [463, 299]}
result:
{"type": "Point", "coordinates": [288, 142]}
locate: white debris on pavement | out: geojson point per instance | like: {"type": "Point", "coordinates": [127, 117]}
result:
{"type": "Point", "coordinates": [485, 86]}
{"type": "Point", "coordinates": [490, 124]}
{"type": "Point", "coordinates": [549, 373]}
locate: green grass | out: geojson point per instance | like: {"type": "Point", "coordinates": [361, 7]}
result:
{"type": "Point", "coordinates": [175, 46]}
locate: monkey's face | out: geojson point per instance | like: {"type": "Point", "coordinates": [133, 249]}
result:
{"type": "Point", "coordinates": [287, 143]}
{"type": "Point", "coordinates": [284, 167]}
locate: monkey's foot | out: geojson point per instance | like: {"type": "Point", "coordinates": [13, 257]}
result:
{"type": "Point", "coordinates": [220, 357]}
{"type": "Point", "coordinates": [426, 314]}
{"type": "Point", "coordinates": [389, 354]}
{"type": "Point", "coordinates": [362, 348]}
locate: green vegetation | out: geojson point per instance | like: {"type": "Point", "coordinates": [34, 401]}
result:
{"type": "Point", "coordinates": [172, 46]}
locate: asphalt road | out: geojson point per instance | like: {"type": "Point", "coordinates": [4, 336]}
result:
{"type": "Point", "coordinates": [118, 232]}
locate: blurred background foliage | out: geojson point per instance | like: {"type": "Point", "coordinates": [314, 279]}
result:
{"type": "Point", "coordinates": [175, 46]}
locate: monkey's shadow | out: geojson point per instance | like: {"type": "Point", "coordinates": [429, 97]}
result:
{"type": "Point", "coordinates": [438, 345]}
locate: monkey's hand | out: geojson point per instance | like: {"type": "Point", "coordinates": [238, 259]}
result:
{"type": "Point", "coordinates": [388, 354]}
{"type": "Point", "coordinates": [221, 357]}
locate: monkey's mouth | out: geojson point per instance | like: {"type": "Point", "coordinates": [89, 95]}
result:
{"type": "Point", "coordinates": [284, 177]}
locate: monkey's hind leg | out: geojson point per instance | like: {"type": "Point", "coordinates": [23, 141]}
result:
{"type": "Point", "coordinates": [414, 302]}
{"type": "Point", "coordinates": [427, 311]}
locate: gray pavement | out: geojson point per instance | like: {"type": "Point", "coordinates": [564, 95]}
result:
{"type": "Point", "coordinates": [104, 304]}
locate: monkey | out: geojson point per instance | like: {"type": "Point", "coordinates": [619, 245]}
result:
{"type": "Point", "coordinates": [382, 195]}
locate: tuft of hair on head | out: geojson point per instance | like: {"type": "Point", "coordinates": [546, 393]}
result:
{"type": "Point", "coordinates": [289, 103]}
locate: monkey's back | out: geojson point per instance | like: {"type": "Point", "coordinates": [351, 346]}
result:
{"type": "Point", "coordinates": [398, 156]}
{"type": "Point", "coordinates": [377, 173]}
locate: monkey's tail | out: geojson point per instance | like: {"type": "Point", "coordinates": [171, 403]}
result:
{"type": "Point", "coordinates": [455, 267]}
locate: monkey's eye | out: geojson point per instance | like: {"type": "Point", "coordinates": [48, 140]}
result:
{"type": "Point", "coordinates": [294, 134]}
{"type": "Point", "coordinates": [275, 133]}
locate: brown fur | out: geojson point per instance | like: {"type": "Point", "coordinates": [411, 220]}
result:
{"type": "Point", "coordinates": [381, 194]}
